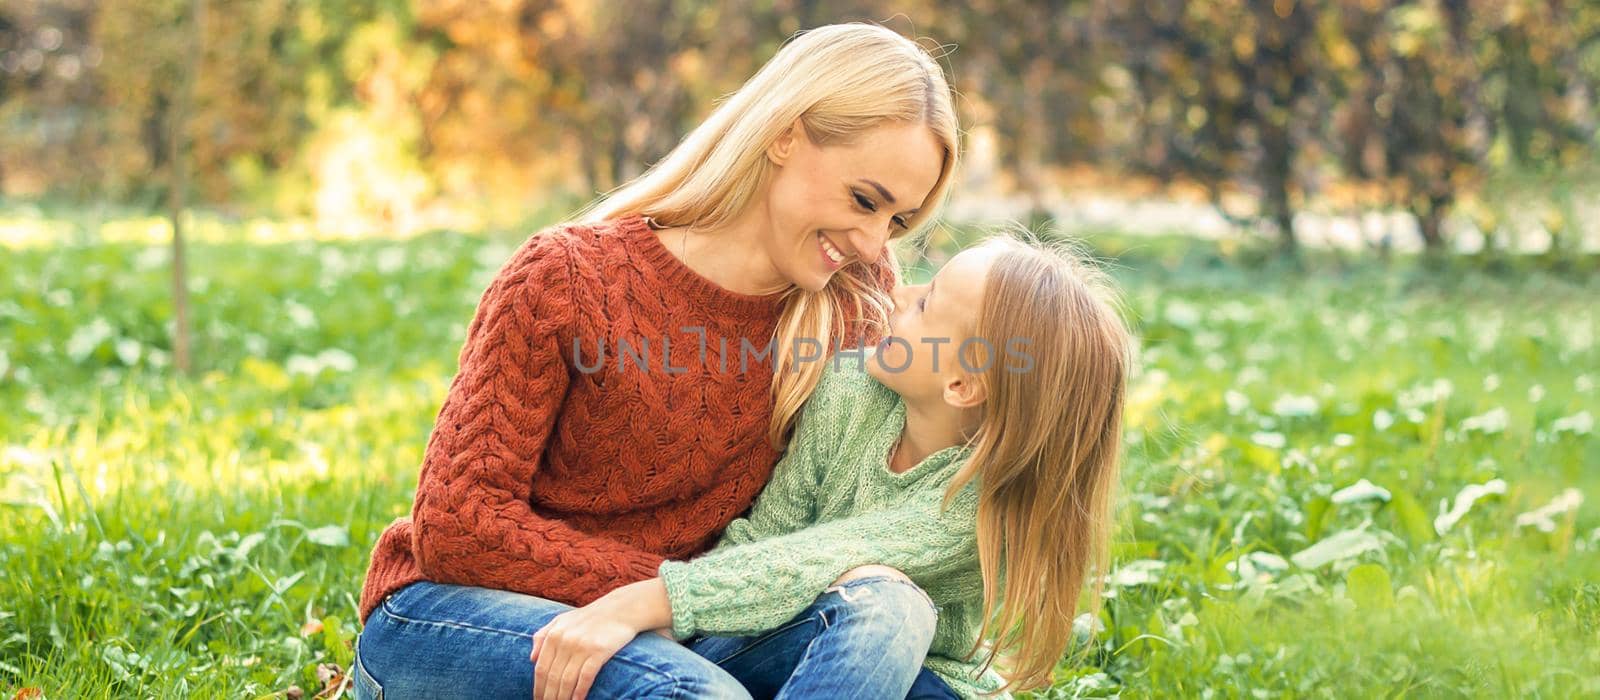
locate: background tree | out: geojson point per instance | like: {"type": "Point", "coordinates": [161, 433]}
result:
{"type": "Point", "coordinates": [374, 113]}
{"type": "Point", "coordinates": [1230, 86]}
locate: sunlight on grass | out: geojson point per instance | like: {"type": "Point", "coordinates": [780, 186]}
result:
{"type": "Point", "coordinates": [21, 228]}
{"type": "Point", "coordinates": [1335, 485]}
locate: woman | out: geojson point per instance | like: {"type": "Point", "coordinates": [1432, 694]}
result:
{"type": "Point", "coordinates": [558, 471]}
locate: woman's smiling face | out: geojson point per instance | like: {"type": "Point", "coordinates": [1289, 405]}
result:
{"type": "Point", "coordinates": [831, 206]}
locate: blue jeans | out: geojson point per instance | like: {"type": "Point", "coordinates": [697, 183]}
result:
{"type": "Point", "coordinates": [430, 640]}
{"type": "Point", "coordinates": [865, 638]}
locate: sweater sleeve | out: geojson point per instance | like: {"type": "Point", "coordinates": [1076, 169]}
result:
{"type": "Point", "coordinates": [472, 519]}
{"type": "Point", "coordinates": [757, 586]}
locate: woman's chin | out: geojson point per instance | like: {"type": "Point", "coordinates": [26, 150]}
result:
{"type": "Point", "coordinates": [814, 280]}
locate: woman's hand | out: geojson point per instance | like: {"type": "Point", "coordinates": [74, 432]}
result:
{"type": "Point", "coordinates": [570, 651]}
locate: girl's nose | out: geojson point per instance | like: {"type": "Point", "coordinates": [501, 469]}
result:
{"type": "Point", "coordinates": [901, 296]}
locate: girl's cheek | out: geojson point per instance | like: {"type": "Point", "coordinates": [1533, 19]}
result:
{"type": "Point", "coordinates": [893, 358]}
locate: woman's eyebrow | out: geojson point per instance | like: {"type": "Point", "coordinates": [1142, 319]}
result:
{"type": "Point", "coordinates": [881, 190]}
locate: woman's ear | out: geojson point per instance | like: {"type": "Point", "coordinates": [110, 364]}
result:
{"type": "Point", "coordinates": [965, 390]}
{"type": "Point", "coordinates": [784, 147]}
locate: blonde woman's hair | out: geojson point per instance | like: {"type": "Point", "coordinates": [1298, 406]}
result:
{"type": "Point", "coordinates": [1045, 455]}
{"type": "Point", "coordinates": [839, 81]}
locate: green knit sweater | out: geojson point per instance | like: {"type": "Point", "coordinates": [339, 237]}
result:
{"type": "Point", "coordinates": [833, 505]}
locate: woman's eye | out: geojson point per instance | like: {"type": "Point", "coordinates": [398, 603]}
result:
{"type": "Point", "coordinates": [865, 203]}
{"type": "Point", "coordinates": [921, 302]}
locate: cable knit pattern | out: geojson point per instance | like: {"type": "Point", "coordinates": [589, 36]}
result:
{"type": "Point", "coordinates": [544, 478]}
{"type": "Point", "coordinates": [833, 505]}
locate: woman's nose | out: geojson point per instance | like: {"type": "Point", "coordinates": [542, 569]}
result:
{"type": "Point", "coordinates": [869, 245]}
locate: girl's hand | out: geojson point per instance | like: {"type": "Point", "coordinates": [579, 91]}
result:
{"type": "Point", "coordinates": [569, 652]}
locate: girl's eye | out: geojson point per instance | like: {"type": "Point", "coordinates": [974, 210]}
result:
{"type": "Point", "coordinates": [901, 222]}
{"type": "Point", "coordinates": [864, 202]}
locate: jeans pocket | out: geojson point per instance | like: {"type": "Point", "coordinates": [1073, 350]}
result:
{"type": "Point", "coordinates": [365, 686]}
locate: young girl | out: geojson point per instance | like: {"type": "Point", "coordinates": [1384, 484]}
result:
{"type": "Point", "coordinates": [974, 452]}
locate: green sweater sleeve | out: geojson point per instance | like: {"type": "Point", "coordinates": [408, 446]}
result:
{"type": "Point", "coordinates": [757, 586]}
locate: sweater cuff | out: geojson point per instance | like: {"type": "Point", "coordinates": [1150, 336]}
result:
{"type": "Point", "coordinates": [643, 568]}
{"type": "Point", "coordinates": [674, 576]}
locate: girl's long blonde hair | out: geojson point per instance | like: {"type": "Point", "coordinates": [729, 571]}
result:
{"type": "Point", "coordinates": [839, 81]}
{"type": "Point", "coordinates": [1045, 457]}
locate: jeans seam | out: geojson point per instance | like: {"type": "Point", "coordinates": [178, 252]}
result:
{"type": "Point", "coordinates": [451, 624]}
{"type": "Point", "coordinates": [747, 647]}
{"type": "Point", "coordinates": [361, 673]}
{"type": "Point", "coordinates": [809, 648]}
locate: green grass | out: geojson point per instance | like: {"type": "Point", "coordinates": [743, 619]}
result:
{"type": "Point", "coordinates": [167, 537]}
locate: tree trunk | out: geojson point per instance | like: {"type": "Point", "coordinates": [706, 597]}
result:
{"type": "Point", "coordinates": [1431, 224]}
{"type": "Point", "coordinates": [178, 167]}
{"type": "Point", "coordinates": [1276, 167]}
{"type": "Point", "coordinates": [1288, 244]}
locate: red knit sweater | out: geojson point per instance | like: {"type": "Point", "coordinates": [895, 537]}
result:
{"type": "Point", "coordinates": [543, 478]}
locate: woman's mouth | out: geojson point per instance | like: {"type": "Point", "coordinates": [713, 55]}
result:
{"type": "Point", "coordinates": [832, 257]}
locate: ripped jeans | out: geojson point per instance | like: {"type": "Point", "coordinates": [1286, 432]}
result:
{"type": "Point", "coordinates": [865, 638]}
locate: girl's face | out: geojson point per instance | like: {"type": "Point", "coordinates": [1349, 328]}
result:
{"type": "Point", "coordinates": [832, 206]}
{"type": "Point", "coordinates": [930, 322]}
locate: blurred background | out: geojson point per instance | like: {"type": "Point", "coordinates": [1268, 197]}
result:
{"type": "Point", "coordinates": [1359, 242]}
{"type": "Point", "coordinates": [1467, 124]}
